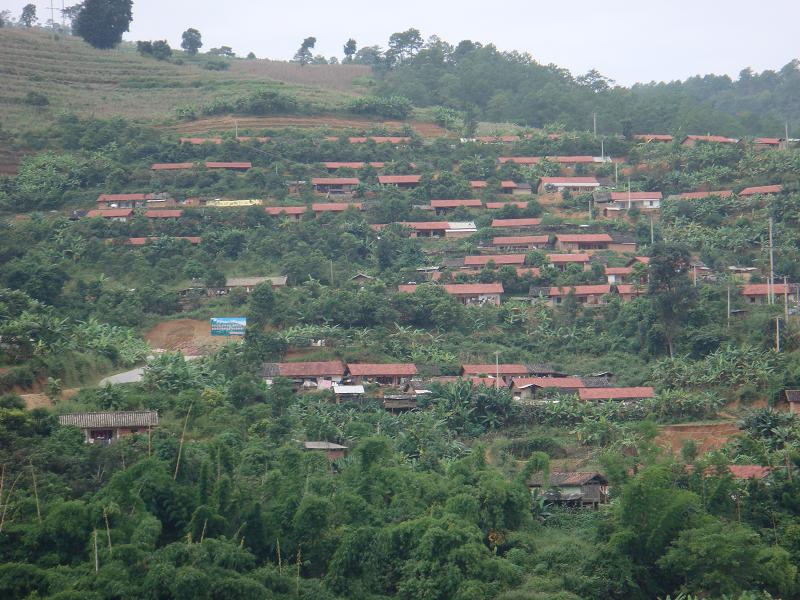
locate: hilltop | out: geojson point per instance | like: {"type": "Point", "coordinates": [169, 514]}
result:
{"type": "Point", "coordinates": [78, 78]}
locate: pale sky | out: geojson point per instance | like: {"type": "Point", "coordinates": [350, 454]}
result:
{"type": "Point", "coordinates": [627, 40]}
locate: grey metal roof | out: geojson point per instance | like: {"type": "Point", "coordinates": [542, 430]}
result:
{"type": "Point", "coordinates": [254, 281]}
{"type": "Point", "coordinates": [323, 446]}
{"type": "Point", "coordinates": [270, 370]}
{"type": "Point", "coordinates": [110, 420]}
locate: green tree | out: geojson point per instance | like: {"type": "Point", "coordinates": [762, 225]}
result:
{"type": "Point", "coordinates": [727, 559]}
{"type": "Point", "coordinates": [261, 303]}
{"type": "Point", "coordinates": [101, 23]}
{"type": "Point", "coordinates": [191, 41]}
{"type": "Point", "coordinates": [28, 16]}
{"type": "Point", "coordinates": [304, 55]}
{"type": "Point", "coordinates": [350, 49]}
{"type": "Point", "coordinates": [671, 293]}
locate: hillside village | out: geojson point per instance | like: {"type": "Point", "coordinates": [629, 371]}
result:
{"type": "Point", "coordinates": [393, 357]}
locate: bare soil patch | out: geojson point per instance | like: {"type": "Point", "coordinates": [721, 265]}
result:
{"type": "Point", "coordinates": [190, 337]}
{"type": "Point", "coordinates": [707, 436]}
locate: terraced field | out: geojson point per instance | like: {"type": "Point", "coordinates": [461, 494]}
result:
{"type": "Point", "coordinates": [76, 77]}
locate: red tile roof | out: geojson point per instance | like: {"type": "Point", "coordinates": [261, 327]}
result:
{"type": "Point", "coordinates": [710, 138]}
{"type": "Point", "coordinates": [762, 289]}
{"type": "Point", "coordinates": [172, 166]}
{"type": "Point", "coordinates": [653, 137]}
{"type": "Point", "coordinates": [520, 239]}
{"type": "Point", "coordinates": [516, 222]}
{"type": "Point", "coordinates": [571, 383]}
{"type": "Point", "coordinates": [627, 288]}
{"type": "Point", "coordinates": [137, 241]}
{"type": "Point", "coordinates": [583, 237]}
{"type": "Point", "coordinates": [311, 369]}
{"type": "Point", "coordinates": [568, 258]}
{"type": "Point", "coordinates": [767, 141]}
{"type": "Point", "coordinates": [122, 197]}
{"type": "Point", "coordinates": [507, 184]}
{"type": "Point", "coordinates": [247, 138]}
{"type": "Point", "coordinates": [500, 205]}
{"type": "Point", "coordinates": [382, 370]}
{"type": "Point", "coordinates": [335, 206]}
{"type": "Point", "coordinates": [163, 213]}
{"type": "Point", "coordinates": [569, 180]}
{"type": "Point", "coordinates": [335, 181]}
{"type": "Point", "coordinates": [352, 165]}
{"type": "Point", "coordinates": [199, 141]}
{"type": "Point", "coordinates": [498, 259]}
{"type": "Point", "coordinates": [285, 210]}
{"type": "Point", "coordinates": [615, 196]}
{"type": "Point", "coordinates": [615, 393]}
{"type": "Point", "coordinates": [426, 225]}
{"type": "Point", "coordinates": [492, 369]}
{"type": "Point", "coordinates": [761, 189]}
{"type": "Point", "coordinates": [109, 213]}
{"type": "Point", "coordinates": [378, 139]}
{"type": "Point", "coordinates": [460, 289]}
{"type": "Point", "coordinates": [535, 271]}
{"type": "Point", "coordinates": [699, 195]}
{"type": "Point", "coordinates": [470, 289]}
{"type": "Point", "coordinates": [571, 160]}
{"type": "Point", "coordinates": [228, 165]}
{"type": "Point", "coordinates": [618, 270]}
{"type": "Point", "coordinates": [581, 290]}
{"type": "Point", "coordinates": [520, 160]}
{"type": "Point", "coordinates": [398, 179]}
{"type": "Point", "coordinates": [469, 203]}
{"type": "Point", "coordinates": [476, 184]}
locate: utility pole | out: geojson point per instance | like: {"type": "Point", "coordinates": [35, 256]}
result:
{"type": "Point", "coordinates": [602, 149]}
{"type": "Point", "coordinates": [778, 334]}
{"type": "Point", "coordinates": [652, 232]}
{"type": "Point", "coordinates": [786, 300]}
{"type": "Point", "coordinates": [729, 306]}
{"type": "Point", "coordinates": [771, 267]}
{"type": "Point", "coordinates": [616, 174]}
{"type": "Point", "coordinates": [52, 15]}
{"type": "Point", "coordinates": [594, 123]}
{"type": "Point", "coordinates": [496, 366]}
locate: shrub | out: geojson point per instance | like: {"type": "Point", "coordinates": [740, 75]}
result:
{"type": "Point", "coordinates": [393, 107]}
{"type": "Point", "coordinates": [217, 65]}
{"type": "Point", "coordinates": [36, 99]}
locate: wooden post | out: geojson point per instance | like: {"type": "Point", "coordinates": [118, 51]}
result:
{"type": "Point", "coordinates": [108, 530]}
{"type": "Point", "coordinates": [203, 533]}
{"type": "Point", "coordinates": [8, 500]}
{"type": "Point", "coordinates": [180, 447]}
{"type": "Point", "coordinates": [96, 558]}
{"type": "Point", "coordinates": [35, 492]}
{"type": "Point", "coordinates": [297, 577]}
{"type": "Point", "coordinates": [280, 565]}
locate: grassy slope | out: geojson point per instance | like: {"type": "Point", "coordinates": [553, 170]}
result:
{"type": "Point", "coordinates": [119, 82]}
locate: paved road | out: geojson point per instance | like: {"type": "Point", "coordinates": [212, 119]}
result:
{"type": "Point", "coordinates": [132, 376]}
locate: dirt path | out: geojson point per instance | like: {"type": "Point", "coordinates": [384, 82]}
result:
{"type": "Point", "coordinates": [190, 337]}
{"type": "Point", "coordinates": [707, 436]}
{"type": "Point", "coordinates": [228, 123]}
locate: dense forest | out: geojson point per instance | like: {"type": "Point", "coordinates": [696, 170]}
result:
{"type": "Point", "coordinates": [513, 87]}
{"type": "Point", "coordinates": [554, 365]}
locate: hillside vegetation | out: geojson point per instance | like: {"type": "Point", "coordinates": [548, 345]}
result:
{"type": "Point", "coordinates": [77, 78]}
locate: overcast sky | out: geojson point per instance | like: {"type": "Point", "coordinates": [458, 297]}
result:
{"type": "Point", "coordinates": [627, 40]}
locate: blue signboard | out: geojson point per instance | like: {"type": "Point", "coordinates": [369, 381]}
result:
{"type": "Point", "coordinates": [228, 325]}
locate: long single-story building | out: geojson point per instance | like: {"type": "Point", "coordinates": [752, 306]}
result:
{"type": "Point", "coordinates": [105, 427]}
{"type": "Point", "coordinates": [306, 375]}
{"type": "Point", "coordinates": [572, 184]}
{"type": "Point", "coordinates": [334, 185]}
{"type": "Point", "coordinates": [467, 293]}
{"type": "Point", "coordinates": [583, 241]}
{"type": "Point", "coordinates": [383, 374]}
